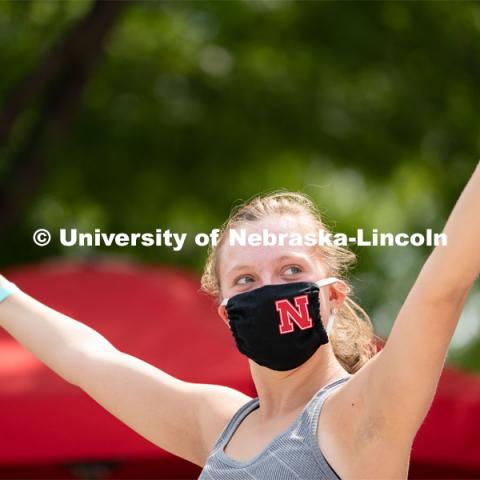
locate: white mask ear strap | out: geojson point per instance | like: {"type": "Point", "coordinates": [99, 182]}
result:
{"type": "Point", "coordinates": [327, 281]}
{"type": "Point", "coordinates": [331, 319]}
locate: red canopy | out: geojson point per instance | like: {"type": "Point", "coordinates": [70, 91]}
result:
{"type": "Point", "coordinates": [159, 315]}
{"type": "Point", "coordinates": [448, 443]}
{"type": "Point", "coordinates": [156, 314]}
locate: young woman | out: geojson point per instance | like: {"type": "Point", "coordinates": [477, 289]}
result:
{"type": "Point", "coordinates": [310, 351]}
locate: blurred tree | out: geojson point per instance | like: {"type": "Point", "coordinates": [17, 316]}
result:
{"type": "Point", "coordinates": [370, 108]}
{"type": "Point", "coordinates": [61, 76]}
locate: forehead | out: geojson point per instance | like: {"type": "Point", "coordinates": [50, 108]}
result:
{"type": "Point", "coordinates": [231, 255]}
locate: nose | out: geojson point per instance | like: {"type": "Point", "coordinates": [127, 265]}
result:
{"type": "Point", "coordinates": [267, 278]}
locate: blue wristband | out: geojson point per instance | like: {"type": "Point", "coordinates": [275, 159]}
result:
{"type": "Point", "coordinates": [7, 290]}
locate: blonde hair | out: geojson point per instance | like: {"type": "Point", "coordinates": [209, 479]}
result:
{"type": "Point", "coordinates": [352, 337]}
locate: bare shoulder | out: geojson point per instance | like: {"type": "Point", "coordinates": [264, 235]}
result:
{"type": "Point", "coordinates": [351, 436]}
{"type": "Point", "coordinates": [217, 405]}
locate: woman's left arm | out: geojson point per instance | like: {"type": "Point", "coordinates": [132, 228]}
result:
{"type": "Point", "coordinates": [401, 380]}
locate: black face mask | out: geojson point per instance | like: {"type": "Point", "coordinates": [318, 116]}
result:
{"type": "Point", "coordinates": [279, 326]}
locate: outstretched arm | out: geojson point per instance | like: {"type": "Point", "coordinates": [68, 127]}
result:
{"type": "Point", "coordinates": [181, 417]}
{"type": "Point", "coordinates": [401, 380]}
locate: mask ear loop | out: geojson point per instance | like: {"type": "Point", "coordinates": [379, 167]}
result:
{"type": "Point", "coordinates": [331, 318]}
{"type": "Point", "coordinates": [326, 281]}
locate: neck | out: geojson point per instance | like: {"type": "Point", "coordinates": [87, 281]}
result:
{"type": "Point", "coordinates": [283, 393]}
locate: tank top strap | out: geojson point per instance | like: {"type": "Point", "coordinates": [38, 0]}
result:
{"type": "Point", "coordinates": [235, 421]}
{"type": "Point", "coordinates": [312, 413]}
{"type": "Point", "coordinates": [309, 416]}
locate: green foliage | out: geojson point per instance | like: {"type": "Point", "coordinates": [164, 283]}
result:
{"type": "Point", "coordinates": [370, 108]}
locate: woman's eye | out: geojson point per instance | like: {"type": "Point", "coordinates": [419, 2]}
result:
{"type": "Point", "coordinates": [238, 281]}
{"type": "Point", "coordinates": [295, 269]}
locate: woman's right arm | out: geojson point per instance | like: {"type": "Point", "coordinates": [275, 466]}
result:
{"type": "Point", "coordinates": [181, 417]}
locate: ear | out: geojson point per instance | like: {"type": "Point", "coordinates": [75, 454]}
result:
{"type": "Point", "coordinates": [222, 312]}
{"type": "Point", "coordinates": [337, 293]}
{"type": "Point", "coordinates": [332, 297]}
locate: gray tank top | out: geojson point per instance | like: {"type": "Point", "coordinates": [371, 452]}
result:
{"type": "Point", "coordinates": [292, 454]}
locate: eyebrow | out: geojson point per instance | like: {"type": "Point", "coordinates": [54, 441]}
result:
{"type": "Point", "coordinates": [279, 259]}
